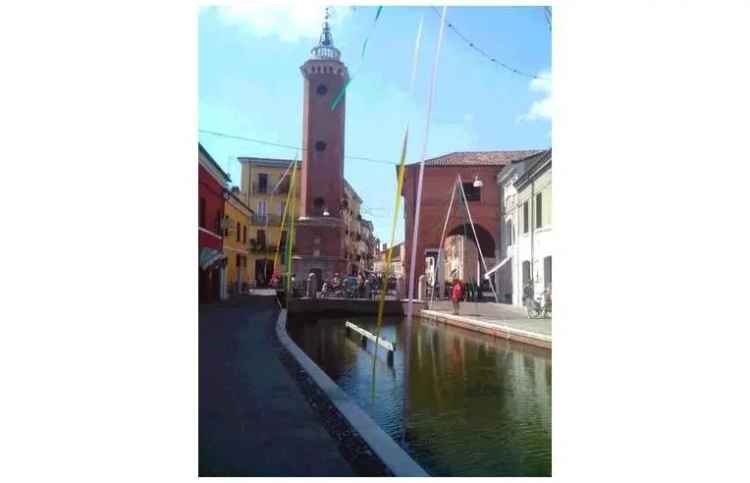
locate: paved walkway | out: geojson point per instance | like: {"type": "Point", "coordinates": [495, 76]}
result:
{"type": "Point", "coordinates": [508, 320]}
{"type": "Point", "coordinates": [253, 419]}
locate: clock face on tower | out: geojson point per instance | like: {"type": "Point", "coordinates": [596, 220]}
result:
{"type": "Point", "coordinates": [322, 90]}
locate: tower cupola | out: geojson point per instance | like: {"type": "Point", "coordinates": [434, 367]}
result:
{"type": "Point", "coordinates": [325, 49]}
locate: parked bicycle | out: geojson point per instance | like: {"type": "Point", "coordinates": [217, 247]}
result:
{"type": "Point", "coordinates": [540, 307]}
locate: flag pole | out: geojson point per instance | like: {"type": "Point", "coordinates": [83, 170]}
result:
{"type": "Point", "coordinates": [415, 234]}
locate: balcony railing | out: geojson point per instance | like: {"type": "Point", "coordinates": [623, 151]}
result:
{"type": "Point", "coordinates": [268, 218]}
{"type": "Point", "coordinates": [269, 247]}
{"type": "Point", "coordinates": [259, 189]}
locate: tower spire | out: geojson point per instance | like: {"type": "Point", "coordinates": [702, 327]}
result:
{"type": "Point", "coordinates": [325, 36]}
{"type": "Point", "coordinates": [325, 48]}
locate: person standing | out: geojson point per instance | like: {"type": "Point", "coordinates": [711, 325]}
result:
{"type": "Point", "coordinates": [457, 293]}
{"type": "Point", "coordinates": [360, 285]}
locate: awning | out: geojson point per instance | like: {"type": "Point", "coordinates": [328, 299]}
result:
{"type": "Point", "coordinates": [207, 257]}
{"type": "Point", "coordinates": [496, 268]}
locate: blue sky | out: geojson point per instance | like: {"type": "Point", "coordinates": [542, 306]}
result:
{"type": "Point", "coordinates": [250, 85]}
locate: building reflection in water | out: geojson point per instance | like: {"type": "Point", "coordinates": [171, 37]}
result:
{"type": "Point", "coordinates": [461, 403]}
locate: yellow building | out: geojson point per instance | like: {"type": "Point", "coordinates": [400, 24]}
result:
{"type": "Point", "coordinates": [259, 178]}
{"type": "Point", "coordinates": [356, 251]}
{"type": "Point", "coordinates": [237, 216]}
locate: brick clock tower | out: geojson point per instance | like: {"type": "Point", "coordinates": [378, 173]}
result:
{"type": "Point", "coordinates": [319, 240]}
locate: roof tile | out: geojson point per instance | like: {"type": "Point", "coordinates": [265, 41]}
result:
{"type": "Point", "coordinates": [480, 158]}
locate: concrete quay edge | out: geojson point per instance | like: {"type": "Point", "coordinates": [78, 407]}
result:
{"type": "Point", "coordinates": [390, 453]}
{"type": "Point", "coordinates": [498, 330]}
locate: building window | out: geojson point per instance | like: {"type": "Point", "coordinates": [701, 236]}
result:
{"type": "Point", "coordinates": [318, 204]}
{"type": "Point", "coordinates": [547, 272]}
{"type": "Point", "coordinates": [320, 146]}
{"type": "Point", "coordinates": [526, 217]}
{"type": "Point", "coordinates": [526, 272]}
{"type": "Point", "coordinates": [238, 231]}
{"type": "Point", "coordinates": [508, 233]}
{"type": "Point", "coordinates": [261, 238]}
{"type": "Point", "coordinates": [283, 238]}
{"type": "Point", "coordinates": [244, 234]}
{"type": "Point", "coordinates": [261, 208]}
{"type": "Point", "coordinates": [202, 212]}
{"type": "Point", "coordinates": [322, 90]}
{"type": "Point", "coordinates": [472, 193]}
{"type": "Point", "coordinates": [262, 183]}
{"type": "Point", "coordinates": [539, 210]}
{"type": "Point", "coordinates": [238, 261]}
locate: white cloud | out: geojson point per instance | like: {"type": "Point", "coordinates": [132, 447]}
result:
{"type": "Point", "coordinates": [290, 22]}
{"type": "Point", "coordinates": [541, 109]}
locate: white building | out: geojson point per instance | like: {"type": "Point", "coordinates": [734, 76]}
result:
{"type": "Point", "coordinates": [397, 261]}
{"type": "Point", "coordinates": [526, 230]}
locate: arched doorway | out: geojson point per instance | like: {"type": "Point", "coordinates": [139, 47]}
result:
{"type": "Point", "coordinates": [461, 254]}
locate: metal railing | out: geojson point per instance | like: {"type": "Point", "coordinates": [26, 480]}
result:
{"type": "Point", "coordinates": [267, 189]}
{"type": "Point", "coordinates": [267, 218]}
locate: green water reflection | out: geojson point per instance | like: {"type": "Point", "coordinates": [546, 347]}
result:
{"type": "Point", "coordinates": [460, 403]}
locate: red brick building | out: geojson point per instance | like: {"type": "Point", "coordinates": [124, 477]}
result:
{"type": "Point", "coordinates": [212, 188]}
{"type": "Point", "coordinates": [320, 242]}
{"type": "Point", "coordinates": [484, 203]}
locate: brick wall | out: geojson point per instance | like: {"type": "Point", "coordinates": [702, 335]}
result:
{"type": "Point", "coordinates": [436, 192]}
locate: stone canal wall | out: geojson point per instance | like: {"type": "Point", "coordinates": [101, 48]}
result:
{"type": "Point", "coordinates": [505, 329]}
{"type": "Point", "coordinates": [344, 307]}
{"type": "Point", "coordinates": [391, 454]}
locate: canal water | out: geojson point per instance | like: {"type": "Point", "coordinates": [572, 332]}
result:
{"type": "Point", "coordinates": [460, 403]}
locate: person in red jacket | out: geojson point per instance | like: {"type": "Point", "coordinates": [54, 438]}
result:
{"type": "Point", "coordinates": [457, 293]}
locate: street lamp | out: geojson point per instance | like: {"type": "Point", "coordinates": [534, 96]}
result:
{"type": "Point", "coordinates": [478, 183]}
{"type": "Point", "coordinates": [326, 213]}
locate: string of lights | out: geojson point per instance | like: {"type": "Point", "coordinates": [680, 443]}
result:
{"type": "Point", "coordinates": [484, 54]}
{"type": "Point", "coordinates": [287, 146]}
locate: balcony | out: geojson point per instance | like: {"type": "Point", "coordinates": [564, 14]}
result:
{"type": "Point", "coordinates": [283, 188]}
{"type": "Point", "coordinates": [267, 189]}
{"type": "Point", "coordinates": [267, 247]}
{"type": "Point", "coordinates": [261, 189]}
{"type": "Point", "coordinates": [271, 220]}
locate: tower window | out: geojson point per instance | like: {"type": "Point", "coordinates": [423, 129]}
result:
{"type": "Point", "coordinates": [320, 146]}
{"type": "Point", "coordinates": [322, 90]}
{"type": "Point", "coordinates": [318, 204]}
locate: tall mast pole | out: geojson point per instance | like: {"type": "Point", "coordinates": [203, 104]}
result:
{"type": "Point", "coordinates": [415, 233]}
